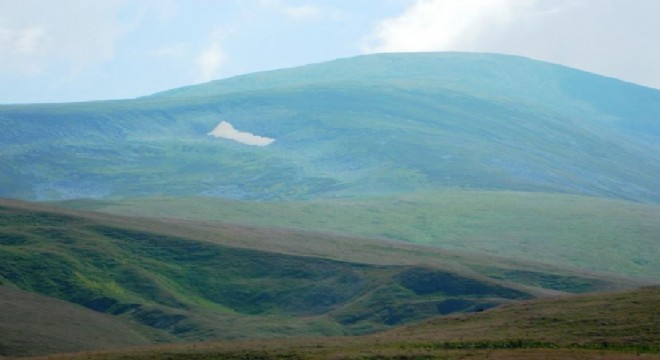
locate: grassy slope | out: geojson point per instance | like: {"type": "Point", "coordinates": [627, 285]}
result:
{"type": "Point", "coordinates": [208, 281]}
{"type": "Point", "coordinates": [373, 124]}
{"type": "Point", "coordinates": [362, 250]}
{"type": "Point", "coordinates": [581, 232]}
{"type": "Point", "coordinates": [621, 325]}
{"type": "Point", "coordinates": [204, 289]}
{"type": "Point", "coordinates": [626, 318]}
{"type": "Point", "coordinates": [32, 324]}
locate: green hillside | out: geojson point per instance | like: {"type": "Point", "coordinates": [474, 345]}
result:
{"type": "Point", "coordinates": [397, 188]}
{"type": "Point", "coordinates": [601, 326]}
{"type": "Point", "coordinates": [199, 290]}
{"type": "Point", "coordinates": [195, 281]}
{"type": "Point", "coordinates": [579, 232]}
{"type": "Point", "coordinates": [368, 125]}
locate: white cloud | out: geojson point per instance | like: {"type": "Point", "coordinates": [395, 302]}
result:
{"type": "Point", "coordinates": [437, 25]}
{"type": "Point", "coordinates": [212, 57]}
{"type": "Point", "coordinates": [303, 12]}
{"type": "Point", "coordinates": [609, 37]}
{"type": "Point", "coordinates": [174, 50]}
{"type": "Point", "coordinates": [35, 34]}
{"type": "Point", "coordinates": [164, 10]}
{"type": "Point", "coordinates": [225, 130]}
{"type": "Point", "coordinates": [21, 41]}
{"type": "Point", "coordinates": [210, 60]}
{"type": "Point", "coordinates": [20, 49]}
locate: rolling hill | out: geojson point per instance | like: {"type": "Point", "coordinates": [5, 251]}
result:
{"type": "Point", "coordinates": [622, 325]}
{"type": "Point", "coordinates": [589, 233]}
{"type": "Point", "coordinates": [338, 199]}
{"type": "Point", "coordinates": [33, 324]}
{"type": "Point", "coordinates": [237, 282]}
{"type": "Point", "coordinates": [376, 124]}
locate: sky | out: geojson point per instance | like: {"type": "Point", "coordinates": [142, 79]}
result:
{"type": "Point", "coordinates": [79, 50]}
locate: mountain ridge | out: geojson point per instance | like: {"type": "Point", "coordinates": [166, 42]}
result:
{"type": "Point", "coordinates": [441, 70]}
{"type": "Point", "coordinates": [517, 128]}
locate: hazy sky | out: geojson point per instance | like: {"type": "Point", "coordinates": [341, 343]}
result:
{"type": "Point", "coordinates": [74, 50]}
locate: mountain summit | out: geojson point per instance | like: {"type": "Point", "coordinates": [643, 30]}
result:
{"type": "Point", "coordinates": [373, 124]}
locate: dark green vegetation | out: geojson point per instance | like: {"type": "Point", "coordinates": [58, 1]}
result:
{"type": "Point", "coordinates": [367, 125]}
{"type": "Point", "coordinates": [195, 281]}
{"type": "Point", "coordinates": [622, 325]}
{"type": "Point", "coordinates": [584, 232]}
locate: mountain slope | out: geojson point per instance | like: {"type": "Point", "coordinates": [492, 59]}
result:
{"type": "Point", "coordinates": [373, 124]}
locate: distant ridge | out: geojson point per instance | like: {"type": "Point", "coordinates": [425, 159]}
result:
{"type": "Point", "coordinates": [374, 124]}
{"type": "Point", "coordinates": [491, 75]}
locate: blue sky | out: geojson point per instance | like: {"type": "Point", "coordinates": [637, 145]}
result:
{"type": "Point", "coordinates": [77, 50]}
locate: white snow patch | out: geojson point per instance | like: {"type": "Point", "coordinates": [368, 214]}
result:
{"type": "Point", "coordinates": [225, 130]}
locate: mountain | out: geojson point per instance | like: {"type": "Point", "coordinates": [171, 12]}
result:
{"type": "Point", "coordinates": [334, 199]}
{"type": "Point", "coordinates": [376, 124]}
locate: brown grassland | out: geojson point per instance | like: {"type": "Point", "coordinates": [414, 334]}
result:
{"type": "Point", "coordinates": [620, 325]}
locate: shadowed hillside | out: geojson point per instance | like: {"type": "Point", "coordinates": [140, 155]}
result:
{"type": "Point", "coordinates": [197, 290]}
{"type": "Point", "coordinates": [193, 281]}
{"type": "Point", "coordinates": [597, 326]}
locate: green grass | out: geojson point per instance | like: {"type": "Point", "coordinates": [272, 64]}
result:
{"type": "Point", "coordinates": [229, 286]}
{"type": "Point", "coordinates": [202, 281]}
{"type": "Point", "coordinates": [194, 281]}
{"type": "Point", "coordinates": [588, 233]}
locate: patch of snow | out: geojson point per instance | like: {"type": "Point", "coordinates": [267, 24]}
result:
{"type": "Point", "coordinates": [225, 130]}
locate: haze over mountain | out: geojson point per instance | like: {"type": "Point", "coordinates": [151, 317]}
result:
{"type": "Point", "coordinates": [374, 124]}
